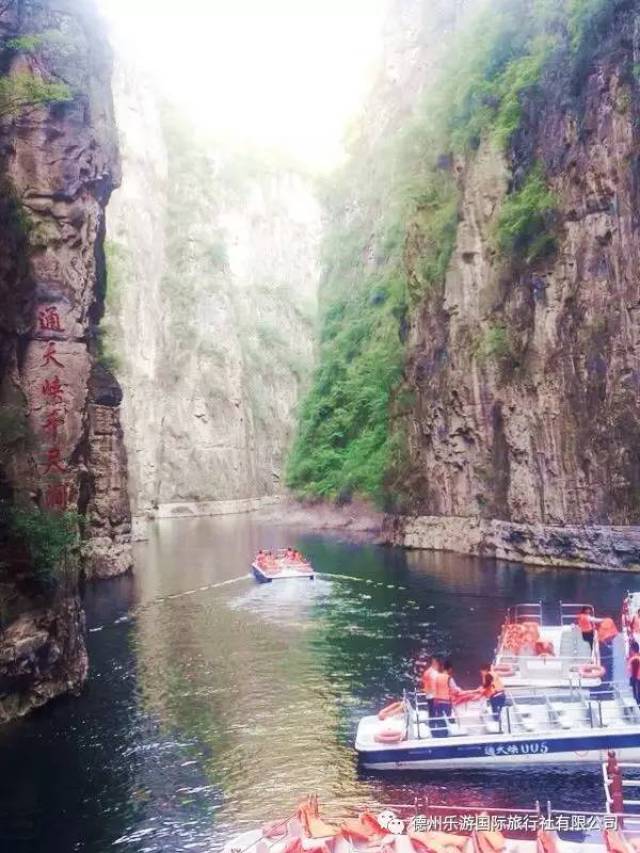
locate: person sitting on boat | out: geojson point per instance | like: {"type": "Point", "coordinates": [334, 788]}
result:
{"type": "Point", "coordinates": [633, 664]}
{"type": "Point", "coordinates": [433, 669]}
{"type": "Point", "coordinates": [492, 689]}
{"type": "Point", "coordinates": [587, 625]}
{"type": "Point", "coordinates": [635, 626]}
{"type": "Point", "coordinates": [444, 690]}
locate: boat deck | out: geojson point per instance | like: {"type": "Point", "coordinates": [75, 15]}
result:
{"type": "Point", "coordinates": [561, 667]}
{"type": "Point", "coordinates": [533, 727]}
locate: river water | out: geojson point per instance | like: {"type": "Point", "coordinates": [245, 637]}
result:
{"type": "Point", "coordinates": [215, 703]}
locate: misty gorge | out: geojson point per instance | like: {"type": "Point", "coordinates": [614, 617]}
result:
{"type": "Point", "coordinates": [354, 284]}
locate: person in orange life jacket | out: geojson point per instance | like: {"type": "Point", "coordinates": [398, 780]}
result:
{"type": "Point", "coordinates": [433, 669]}
{"type": "Point", "coordinates": [492, 689]}
{"type": "Point", "coordinates": [633, 663]}
{"type": "Point", "coordinates": [444, 689]}
{"type": "Point", "coordinates": [587, 623]}
{"type": "Point", "coordinates": [635, 626]}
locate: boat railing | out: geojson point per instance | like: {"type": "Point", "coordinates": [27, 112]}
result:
{"type": "Point", "coordinates": [622, 788]}
{"type": "Point", "coordinates": [515, 716]}
{"type": "Point", "coordinates": [584, 655]}
{"type": "Point", "coordinates": [569, 612]}
{"type": "Point", "coordinates": [526, 612]}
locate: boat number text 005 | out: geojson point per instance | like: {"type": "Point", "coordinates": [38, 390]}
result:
{"type": "Point", "coordinates": [517, 749]}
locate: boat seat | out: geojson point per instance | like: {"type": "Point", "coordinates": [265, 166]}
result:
{"type": "Point", "coordinates": [629, 705]}
{"type": "Point", "coordinates": [456, 729]}
{"type": "Point", "coordinates": [524, 720]}
{"type": "Point", "coordinates": [559, 717]}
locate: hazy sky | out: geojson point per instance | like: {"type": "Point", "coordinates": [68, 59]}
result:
{"type": "Point", "coordinates": [288, 73]}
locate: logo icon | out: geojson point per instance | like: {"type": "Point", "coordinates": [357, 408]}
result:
{"type": "Point", "coordinates": [388, 820]}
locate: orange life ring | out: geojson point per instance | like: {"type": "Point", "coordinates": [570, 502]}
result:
{"type": "Point", "coordinates": [591, 670]}
{"type": "Point", "coordinates": [389, 736]}
{"type": "Point", "coordinates": [391, 710]}
{"type": "Point", "coordinates": [504, 669]}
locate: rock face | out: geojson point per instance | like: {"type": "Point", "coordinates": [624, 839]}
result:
{"type": "Point", "coordinates": [107, 549]}
{"type": "Point", "coordinates": [533, 455]}
{"type": "Point", "coordinates": [58, 165]}
{"type": "Point", "coordinates": [212, 256]}
{"type": "Point", "coordinates": [42, 654]}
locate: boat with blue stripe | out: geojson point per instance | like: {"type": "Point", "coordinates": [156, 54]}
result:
{"type": "Point", "coordinates": [572, 725]}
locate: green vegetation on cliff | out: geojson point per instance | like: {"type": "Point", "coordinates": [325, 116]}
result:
{"type": "Point", "coordinates": [47, 537]}
{"type": "Point", "coordinates": [394, 214]}
{"type": "Point", "coordinates": [22, 91]}
{"type": "Point", "coordinates": [524, 224]}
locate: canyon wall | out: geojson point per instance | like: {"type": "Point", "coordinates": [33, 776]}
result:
{"type": "Point", "coordinates": [525, 434]}
{"type": "Point", "coordinates": [212, 282]}
{"type": "Point", "coordinates": [61, 452]}
{"type": "Point", "coordinates": [494, 255]}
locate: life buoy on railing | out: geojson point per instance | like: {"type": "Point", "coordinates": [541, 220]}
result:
{"type": "Point", "coordinates": [392, 710]}
{"type": "Point", "coordinates": [389, 736]}
{"type": "Point", "coordinates": [504, 669]}
{"type": "Point", "coordinates": [591, 670]}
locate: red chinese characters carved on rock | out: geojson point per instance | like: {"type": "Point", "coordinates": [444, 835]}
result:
{"type": "Point", "coordinates": [52, 390]}
{"type": "Point", "coordinates": [56, 496]}
{"type": "Point", "coordinates": [54, 461]}
{"type": "Point", "coordinates": [49, 355]}
{"type": "Point", "coordinates": [49, 319]}
{"type": "Point", "coordinates": [52, 420]}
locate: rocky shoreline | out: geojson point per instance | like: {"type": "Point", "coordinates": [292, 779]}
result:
{"type": "Point", "coordinates": [603, 548]}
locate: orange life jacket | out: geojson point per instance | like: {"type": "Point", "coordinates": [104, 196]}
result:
{"type": "Point", "coordinates": [428, 677]}
{"type": "Point", "coordinates": [607, 630]}
{"type": "Point", "coordinates": [496, 686]}
{"type": "Point", "coordinates": [441, 688]}
{"type": "Point", "coordinates": [584, 623]}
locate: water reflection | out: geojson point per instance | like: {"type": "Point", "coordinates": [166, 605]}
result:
{"type": "Point", "coordinates": [218, 702]}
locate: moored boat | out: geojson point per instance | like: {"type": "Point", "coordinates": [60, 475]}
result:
{"type": "Point", "coordinates": [532, 651]}
{"type": "Point", "coordinates": [434, 829]}
{"type": "Point", "coordinates": [285, 564]}
{"type": "Point", "coordinates": [535, 727]}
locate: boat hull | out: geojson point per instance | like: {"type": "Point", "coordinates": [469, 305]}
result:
{"type": "Point", "coordinates": [284, 574]}
{"type": "Point", "coordinates": [515, 752]}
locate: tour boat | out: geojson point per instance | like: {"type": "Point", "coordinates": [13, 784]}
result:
{"type": "Point", "coordinates": [435, 829]}
{"type": "Point", "coordinates": [630, 607]}
{"type": "Point", "coordinates": [279, 566]}
{"type": "Point", "coordinates": [536, 653]}
{"type": "Point", "coordinates": [535, 727]}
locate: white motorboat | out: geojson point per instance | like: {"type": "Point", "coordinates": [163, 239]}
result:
{"type": "Point", "coordinates": [534, 652]}
{"type": "Point", "coordinates": [281, 566]}
{"type": "Point", "coordinates": [536, 727]}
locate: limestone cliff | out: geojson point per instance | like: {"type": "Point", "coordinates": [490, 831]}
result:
{"type": "Point", "coordinates": [58, 165]}
{"type": "Point", "coordinates": [213, 271]}
{"type": "Point", "coordinates": [535, 438]}
{"type": "Point", "coordinates": [492, 267]}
